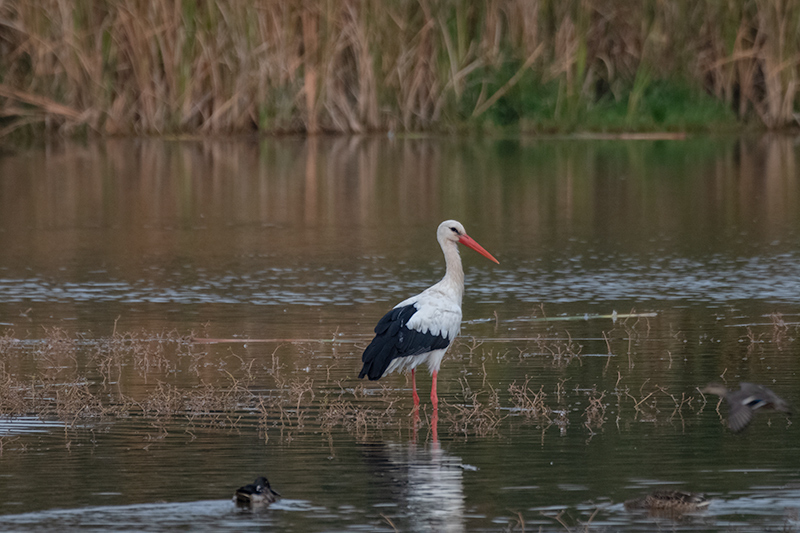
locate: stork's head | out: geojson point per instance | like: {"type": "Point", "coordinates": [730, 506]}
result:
{"type": "Point", "coordinates": [453, 231]}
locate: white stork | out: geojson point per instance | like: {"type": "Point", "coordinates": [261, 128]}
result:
{"type": "Point", "coordinates": [422, 328]}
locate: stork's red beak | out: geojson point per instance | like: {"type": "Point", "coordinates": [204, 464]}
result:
{"type": "Point", "coordinates": [466, 240]}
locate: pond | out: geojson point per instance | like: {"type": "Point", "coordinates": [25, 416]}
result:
{"type": "Point", "coordinates": [181, 317]}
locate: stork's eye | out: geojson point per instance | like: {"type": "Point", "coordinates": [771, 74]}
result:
{"type": "Point", "coordinates": [454, 230]}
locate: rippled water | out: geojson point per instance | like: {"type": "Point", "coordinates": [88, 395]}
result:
{"type": "Point", "coordinates": [631, 273]}
{"type": "Point", "coordinates": [770, 276]}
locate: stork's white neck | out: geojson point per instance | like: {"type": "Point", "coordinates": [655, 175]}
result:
{"type": "Point", "coordinates": [453, 281]}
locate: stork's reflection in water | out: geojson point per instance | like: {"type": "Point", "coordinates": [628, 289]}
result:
{"type": "Point", "coordinates": [422, 486]}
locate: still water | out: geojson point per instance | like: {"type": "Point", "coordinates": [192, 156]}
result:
{"type": "Point", "coordinates": [631, 273]}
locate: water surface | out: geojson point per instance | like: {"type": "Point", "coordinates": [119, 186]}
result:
{"type": "Point", "coordinates": [556, 406]}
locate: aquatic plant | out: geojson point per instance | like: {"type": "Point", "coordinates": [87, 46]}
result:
{"type": "Point", "coordinates": [531, 404]}
{"type": "Point", "coordinates": [170, 383]}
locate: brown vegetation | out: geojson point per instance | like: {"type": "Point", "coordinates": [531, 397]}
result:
{"type": "Point", "coordinates": [167, 381]}
{"type": "Point", "coordinates": [230, 66]}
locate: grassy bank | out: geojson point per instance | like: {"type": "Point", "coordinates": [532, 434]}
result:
{"type": "Point", "coordinates": [195, 66]}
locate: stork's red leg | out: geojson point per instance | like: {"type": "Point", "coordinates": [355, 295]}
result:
{"type": "Point", "coordinates": [414, 388]}
{"type": "Point", "coordinates": [434, 396]}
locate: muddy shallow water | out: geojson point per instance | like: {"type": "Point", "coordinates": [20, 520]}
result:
{"type": "Point", "coordinates": [631, 273]}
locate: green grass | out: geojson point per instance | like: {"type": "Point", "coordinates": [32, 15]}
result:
{"type": "Point", "coordinates": [540, 106]}
{"type": "Point", "coordinates": [664, 106]}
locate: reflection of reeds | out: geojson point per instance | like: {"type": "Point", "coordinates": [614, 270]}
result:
{"type": "Point", "coordinates": [131, 66]}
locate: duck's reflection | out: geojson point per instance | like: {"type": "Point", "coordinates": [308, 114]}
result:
{"type": "Point", "coordinates": [424, 482]}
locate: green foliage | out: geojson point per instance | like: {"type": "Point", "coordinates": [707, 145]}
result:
{"type": "Point", "coordinates": [535, 105]}
{"type": "Point", "coordinates": [530, 98]}
{"type": "Point", "coordinates": [677, 106]}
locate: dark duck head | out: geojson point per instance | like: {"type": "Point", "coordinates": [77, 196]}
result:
{"type": "Point", "coordinates": [257, 493]}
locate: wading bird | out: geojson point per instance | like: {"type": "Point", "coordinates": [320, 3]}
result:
{"type": "Point", "coordinates": [747, 400]}
{"type": "Point", "coordinates": [257, 493]}
{"type": "Point", "coordinates": [421, 329]}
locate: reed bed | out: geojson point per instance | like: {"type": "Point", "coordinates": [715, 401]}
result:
{"type": "Point", "coordinates": [166, 67]}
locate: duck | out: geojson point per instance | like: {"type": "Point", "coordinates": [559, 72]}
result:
{"type": "Point", "coordinates": [669, 502]}
{"type": "Point", "coordinates": [742, 403]}
{"type": "Point", "coordinates": [257, 493]}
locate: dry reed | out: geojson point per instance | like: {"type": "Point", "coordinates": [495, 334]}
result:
{"type": "Point", "coordinates": [595, 412]}
{"type": "Point", "coordinates": [170, 383]}
{"type": "Point", "coordinates": [470, 416]}
{"type": "Point", "coordinates": [531, 404]}
{"type": "Point", "coordinates": [230, 66]}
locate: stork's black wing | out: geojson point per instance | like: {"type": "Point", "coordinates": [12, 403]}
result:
{"type": "Point", "coordinates": [394, 339]}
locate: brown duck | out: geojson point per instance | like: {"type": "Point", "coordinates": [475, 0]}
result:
{"type": "Point", "coordinates": [669, 502]}
{"type": "Point", "coordinates": [255, 494]}
{"type": "Point", "coordinates": [747, 400]}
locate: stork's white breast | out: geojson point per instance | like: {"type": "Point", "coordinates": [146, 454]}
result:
{"type": "Point", "coordinates": [435, 315]}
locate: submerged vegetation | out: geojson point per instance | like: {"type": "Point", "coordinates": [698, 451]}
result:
{"type": "Point", "coordinates": [169, 382]}
{"type": "Point", "coordinates": [163, 67]}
